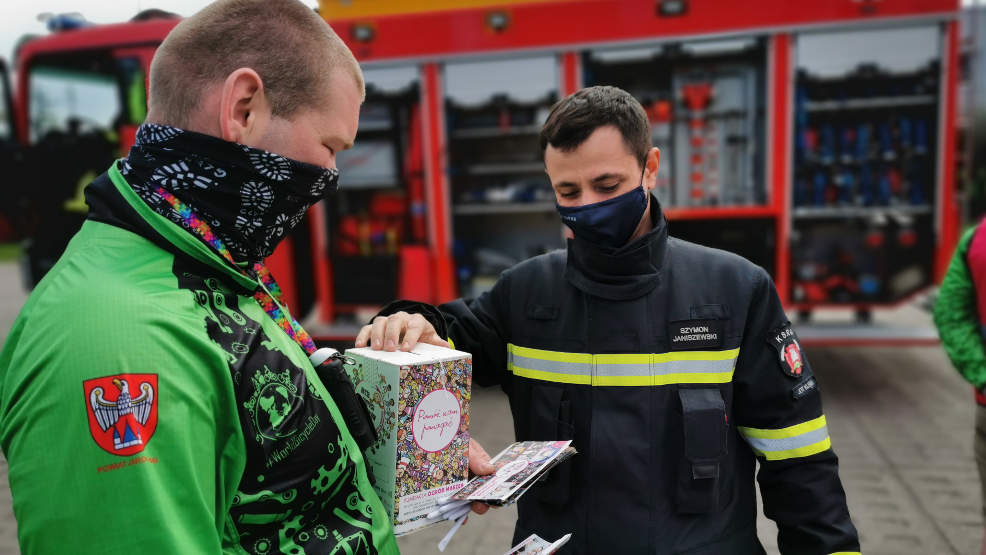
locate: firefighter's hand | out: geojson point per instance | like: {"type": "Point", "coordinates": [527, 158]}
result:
{"type": "Point", "coordinates": [480, 465]}
{"type": "Point", "coordinates": [400, 328]}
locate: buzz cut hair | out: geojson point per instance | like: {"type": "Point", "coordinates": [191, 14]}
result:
{"type": "Point", "coordinates": [292, 49]}
{"type": "Point", "coordinates": [575, 117]}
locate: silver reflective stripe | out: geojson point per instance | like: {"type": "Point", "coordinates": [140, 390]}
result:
{"type": "Point", "coordinates": [695, 366]}
{"type": "Point", "coordinates": [553, 366]}
{"type": "Point", "coordinates": [788, 443]}
{"type": "Point", "coordinates": [609, 369]}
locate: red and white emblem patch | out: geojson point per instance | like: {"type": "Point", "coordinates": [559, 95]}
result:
{"type": "Point", "coordinates": [792, 358]}
{"type": "Point", "coordinates": [789, 354]}
{"type": "Point", "coordinates": [122, 411]}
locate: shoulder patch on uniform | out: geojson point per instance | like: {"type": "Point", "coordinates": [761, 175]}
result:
{"type": "Point", "coordinates": [695, 334]}
{"type": "Point", "coordinates": [122, 411]}
{"type": "Point", "coordinates": [789, 354]}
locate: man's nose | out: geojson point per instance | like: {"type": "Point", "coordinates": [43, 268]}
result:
{"type": "Point", "coordinates": [592, 197]}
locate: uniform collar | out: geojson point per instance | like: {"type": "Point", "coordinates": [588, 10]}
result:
{"type": "Point", "coordinates": [620, 274]}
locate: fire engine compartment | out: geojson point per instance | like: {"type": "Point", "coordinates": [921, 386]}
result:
{"type": "Point", "coordinates": [837, 180]}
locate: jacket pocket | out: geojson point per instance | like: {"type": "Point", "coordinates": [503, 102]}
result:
{"type": "Point", "coordinates": [553, 424]}
{"type": "Point", "coordinates": [703, 417]}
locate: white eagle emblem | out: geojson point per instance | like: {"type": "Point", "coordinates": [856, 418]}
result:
{"type": "Point", "coordinates": [127, 416]}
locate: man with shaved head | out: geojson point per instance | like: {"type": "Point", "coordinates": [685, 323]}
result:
{"type": "Point", "coordinates": [156, 395]}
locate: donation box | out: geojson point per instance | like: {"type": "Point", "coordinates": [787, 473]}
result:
{"type": "Point", "coordinates": [419, 403]}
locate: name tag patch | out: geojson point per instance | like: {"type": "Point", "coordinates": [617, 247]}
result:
{"type": "Point", "coordinates": [695, 334]}
{"type": "Point", "coordinates": [804, 387]}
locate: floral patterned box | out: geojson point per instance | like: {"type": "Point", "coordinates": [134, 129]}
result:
{"type": "Point", "coordinates": [419, 401]}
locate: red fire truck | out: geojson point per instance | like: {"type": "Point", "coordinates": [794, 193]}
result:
{"type": "Point", "coordinates": [815, 139]}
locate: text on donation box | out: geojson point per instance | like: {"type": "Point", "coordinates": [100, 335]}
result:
{"type": "Point", "coordinates": [436, 420]}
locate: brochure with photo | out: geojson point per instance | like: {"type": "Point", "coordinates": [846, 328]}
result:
{"type": "Point", "coordinates": [518, 466]}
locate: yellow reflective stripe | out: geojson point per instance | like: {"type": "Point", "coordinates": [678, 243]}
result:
{"type": "Point", "coordinates": [697, 355]}
{"type": "Point", "coordinates": [622, 380]}
{"type": "Point", "coordinates": [846, 553]}
{"type": "Point", "coordinates": [555, 356]}
{"type": "Point", "coordinates": [790, 431]}
{"type": "Point", "coordinates": [623, 369]}
{"type": "Point", "coordinates": [800, 440]}
{"type": "Point", "coordinates": [550, 376]}
{"type": "Point", "coordinates": [798, 452]}
{"type": "Point", "coordinates": [663, 379]}
{"type": "Point", "coordinates": [718, 377]}
{"type": "Point", "coordinates": [620, 358]}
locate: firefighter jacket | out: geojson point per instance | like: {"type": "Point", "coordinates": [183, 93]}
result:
{"type": "Point", "coordinates": [672, 368]}
{"type": "Point", "coordinates": [148, 404]}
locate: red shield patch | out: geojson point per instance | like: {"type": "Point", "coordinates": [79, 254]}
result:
{"type": "Point", "coordinates": [792, 358]}
{"type": "Point", "coordinates": [789, 354]}
{"type": "Point", "coordinates": [122, 411]}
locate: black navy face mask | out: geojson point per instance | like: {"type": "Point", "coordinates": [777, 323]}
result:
{"type": "Point", "coordinates": [608, 223]}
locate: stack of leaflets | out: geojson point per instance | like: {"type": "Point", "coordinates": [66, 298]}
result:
{"type": "Point", "coordinates": [518, 466]}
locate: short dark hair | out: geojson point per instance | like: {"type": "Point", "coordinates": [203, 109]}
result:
{"type": "Point", "coordinates": [575, 117]}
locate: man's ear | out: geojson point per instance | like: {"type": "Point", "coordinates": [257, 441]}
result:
{"type": "Point", "coordinates": [651, 167]}
{"type": "Point", "coordinates": [244, 109]}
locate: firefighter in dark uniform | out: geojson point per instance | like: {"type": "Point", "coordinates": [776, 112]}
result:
{"type": "Point", "coordinates": [671, 366]}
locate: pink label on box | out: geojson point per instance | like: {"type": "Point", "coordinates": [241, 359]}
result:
{"type": "Point", "coordinates": [436, 420]}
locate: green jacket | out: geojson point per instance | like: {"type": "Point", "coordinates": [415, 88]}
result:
{"type": "Point", "coordinates": [148, 404]}
{"type": "Point", "coordinates": [956, 317]}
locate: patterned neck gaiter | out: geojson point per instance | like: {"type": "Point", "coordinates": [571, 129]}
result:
{"type": "Point", "coordinates": [250, 198]}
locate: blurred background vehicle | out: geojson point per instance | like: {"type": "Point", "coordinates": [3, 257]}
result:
{"type": "Point", "coordinates": [817, 140]}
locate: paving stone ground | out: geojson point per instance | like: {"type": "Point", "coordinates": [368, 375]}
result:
{"type": "Point", "coordinates": [901, 421]}
{"type": "Point", "coordinates": [12, 297]}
